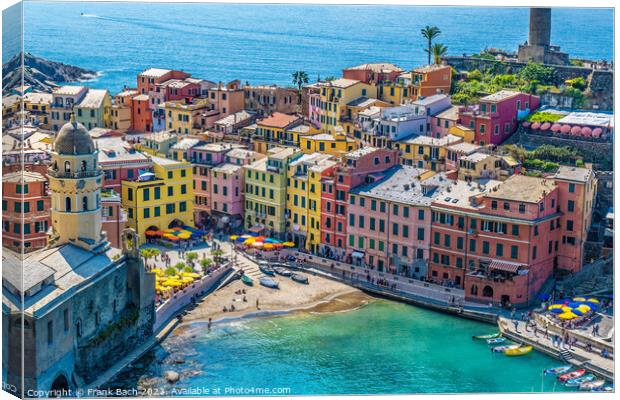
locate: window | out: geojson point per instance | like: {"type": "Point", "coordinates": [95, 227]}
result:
{"type": "Point", "coordinates": [436, 238]}
{"type": "Point", "coordinates": [40, 205]}
{"type": "Point", "coordinates": [499, 250]}
{"type": "Point", "coordinates": [494, 205]}
{"type": "Point", "coordinates": [420, 233]}
{"type": "Point", "coordinates": [514, 252]}
{"type": "Point", "coordinates": [85, 203]}
{"type": "Point", "coordinates": [170, 191]}
{"type": "Point", "coordinates": [571, 188]}
{"type": "Point", "coordinates": [50, 332]}
{"type": "Point", "coordinates": [515, 230]}
{"type": "Point", "coordinates": [170, 208]}
{"type": "Point", "coordinates": [156, 211]}
{"type": "Point", "coordinates": [182, 206]}
{"type": "Point", "coordinates": [459, 243]}
{"type": "Point", "coordinates": [146, 194]}
{"type": "Point", "coordinates": [184, 188]}
{"type": "Point", "coordinates": [420, 214]}
{"type": "Point", "coordinates": [571, 205]}
{"type": "Point", "coordinates": [522, 208]}
{"type": "Point", "coordinates": [472, 245]}
{"type": "Point", "coordinates": [157, 193]}
{"type": "Point", "coordinates": [68, 204]}
{"type": "Point", "coordinates": [569, 225]}
{"type": "Point", "coordinates": [147, 213]}
{"type": "Point", "coordinates": [130, 194]}
{"type": "Point", "coordinates": [485, 247]}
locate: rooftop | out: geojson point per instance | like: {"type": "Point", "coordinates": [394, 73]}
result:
{"type": "Point", "coordinates": [500, 96]}
{"type": "Point", "coordinates": [575, 174]}
{"type": "Point", "coordinates": [362, 151]}
{"type": "Point", "coordinates": [362, 102]}
{"type": "Point", "coordinates": [426, 101]}
{"type": "Point", "coordinates": [459, 193]}
{"type": "Point", "coordinates": [301, 128]}
{"type": "Point", "coordinates": [464, 147]}
{"type": "Point", "coordinates": [278, 120]}
{"type": "Point", "coordinates": [167, 162]}
{"type": "Point", "coordinates": [341, 83]}
{"type": "Point", "coordinates": [528, 189]}
{"type": "Point", "coordinates": [128, 92]}
{"type": "Point", "coordinates": [476, 157]}
{"type": "Point", "coordinates": [38, 98]}
{"type": "Point", "coordinates": [160, 136]}
{"type": "Point", "coordinates": [185, 144]}
{"type": "Point", "coordinates": [23, 177]}
{"type": "Point", "coordinates": [227, 168]}
{"type": "Point", "coordinates": [451, 114]}
{"type": "Point", "coordinates": [404, 184]}
{"type": "Point", "coordinates": [429, 68]}
{"type": "Point", "coordinates": [216, 147]}
{"type": "Point", "coordinates": [234, 118]}
{"type": "Point", "coordinates": [281, 153]}
{"type": "Point", "coordinates": [378, 67]}
{"type": "Point", "coordinates": [68, 90]}
{"type": "Point", "coordinates": [154, 72]}
{"type": "Point", "coordinates": [94, 98]}
{"type": "Point", "coordinates": [240, 153]}
{"type": "Point", "coordinates": [115, 149]}
{"type": "Point", "coordinates": [142, 97]}
{"type": "Point", "coordinates": [431, 141]}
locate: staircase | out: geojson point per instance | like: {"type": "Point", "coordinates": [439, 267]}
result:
{"type": "Point", "coordinates": [566, 355]}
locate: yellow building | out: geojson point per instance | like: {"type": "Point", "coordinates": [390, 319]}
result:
{"type": "Point", "coordinates": [164, 201]}
{"type": "Point", "coordinates": [303, 198]}
{"type": "Point", "coordinates": [157, 144]}
{"type": "Point", "coordinates": [426, 152]}
{"type": "Point", "coordinates": [265, 191]}
{"type": "Point", "coordinates": [335, 144]}
{"type": "Point", "coordinates": [335, 95]}
{"type": "Point", "coordinates": [183, 116]}
{"type": "Point", "coordinates": [93, 111]}
{"type": "Point", "coordinates": [353, 110]}
{"type": "Point", "coordinates": [272, 132]}
{"type": "Point", "coordinates": [38, 104]}
{"type": "Point", "coordinates": [464, 132]}
{"type": "Point", "coordinates": [393, 93]}
{"type": "Point", "coordinates": [120, 114]}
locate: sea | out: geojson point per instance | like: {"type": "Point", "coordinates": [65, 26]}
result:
{"type": "Point", "coordinates": [381, 348]}
{"type": "Point", "coordinates": [266, 43]}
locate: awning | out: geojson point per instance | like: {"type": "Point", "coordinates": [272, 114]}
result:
{"type": "Point", "coordinates": [256, 229]}
{"type": "Point", "coordinates": [357, 254]}
{"type": "Point", "coordinates": [504, 266]}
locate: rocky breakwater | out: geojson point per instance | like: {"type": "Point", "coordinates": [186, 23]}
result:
{"type": "Point", "coordinates": [39, 73]}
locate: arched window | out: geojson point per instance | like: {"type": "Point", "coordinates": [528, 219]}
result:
{"type": "Point", "coordinates": [67, 166]}
{"type": "Point", "coordinates": [85, 203]}
{"type": "Point", "coordinates": [487, 291]}
{"type": "Point", "coordinates": [474, 290]}
{"type": "Point", "coordinates": [83, 165]}
{"type": "Point", "coordinates": [68, 204]}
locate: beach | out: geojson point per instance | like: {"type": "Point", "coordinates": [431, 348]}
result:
{"type": "Point", "coordinates": [319, 295]}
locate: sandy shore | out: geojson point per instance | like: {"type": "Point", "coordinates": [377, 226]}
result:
{"type": "Point", "coordinates": [320, 295]}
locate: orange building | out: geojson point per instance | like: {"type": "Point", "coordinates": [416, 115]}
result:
{"type": "Point", "coordinates": [429, 80]}
{"type": "Point", "coordinates": [373, 73]}
{"type": "Point", "coordinates": [141, 116]}
{"type": "Point", "coordinates": [25, 211]}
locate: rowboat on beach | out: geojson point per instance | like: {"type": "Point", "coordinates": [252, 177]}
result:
{"type": "Point", "coordinates": [282, 271]}
{"type": "Point", "coordinates": [571, 375]}
{"type": "Point", "coordinates": [247, 280]}
{"type": "Point", "coordinates": [270, 283]}
{"type": "Point", "coordinates": [265, 268]}
{"type": "Point", "coordinates": [558, 370]}
{"type": "Point", "coordinates": [496, 340]}
{"type": "Point", "coordinates": [299, 278]}
{"type": "Point", "coordinates": [519, 351]}
{"type": "Point", "coordinates": [579, 381]}
{"type": "Point", "coordinates": [501, 349]}
{"type": "Point", "coordinates": [485, 337]}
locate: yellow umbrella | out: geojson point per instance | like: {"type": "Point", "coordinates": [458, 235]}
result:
{"type": "Point", "coordinates": [579, 299]}
{"type": "Point", "coordinates": [184, 235]}
{"type": "Point", "coordinates": [233, 237]}
{"type": "Point", "coordinates": [249, 241]}
{"type": "Point", "coordinates": [567, 315]}
{"type": "Point", "coordinates": [554, 306]}
{"type": "Point", "coordinates": [187, 279]}
{"type": "Point", "coordinates": [288, 244]}
{"type": "Point", "coordinates": [171, 282]}
{"type": "Point", "coordinates": [567, 309]}
{"type": "Point", "coordinates": [268, 246]}
{"type": "Point", "coordinates": [593, 300]}
{"type": "Point", "coordinates": [584, 308]}
{"type": "Point", "coordinates": [191, 274]}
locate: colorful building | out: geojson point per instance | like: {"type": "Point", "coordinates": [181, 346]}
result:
{"type": "Point", "coordinates": [25, 211]}
{"type": "Point", "coordinates": [454, 152]}
{"type": "Point", "coordinates": [161, 202]}
{"type": "Point", "coordinates": [352, 171]}
{"type": "Point", "coordinates": [268, 99]}
{"type": "Point", "coordinates": [63, 100]}
{"type": "Point", "coordinates": [271, 131]}
{"type": "Point", "coordinates": [426, 151]}
{"type": "Point", "coordinates": [184, 116]}
{"type": "Point", "coordinates": [114, 218]}
{"type": "Point", "coordinates": [158, 144]}
{"type": "Point", "coordinates": [335, 95]}
{"type": "Point", "coordinates": [38, 105]}
{"type": "Point", "coordinates": [389, 220]}
{"type": "Point", "coordinates": [335, 144]}
{"type": "Point", "coordinates": [121, 118]}
{"type": "Point", "coordinates": [373, 73]}
{"type": "Point", "coordinates": [303, 198]}
{"type": "Point", "coordinates": [497, 115]}
{"type": "Point", "coordinates": [265, 191]}
{"type": "Point", "coordinates": [94, 109]}
{"type": "Point", "coordinates": [428, 80]}
{"type": "Point", "coordinates": [120, 161]}
{"type": "Point", "coordinates": [442, 122]}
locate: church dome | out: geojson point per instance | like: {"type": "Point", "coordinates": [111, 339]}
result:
{"type": "Point", "coordinates": [73, 138]}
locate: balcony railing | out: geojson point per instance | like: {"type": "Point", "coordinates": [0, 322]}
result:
{"type": "Point", "coordinates": [74, 175]}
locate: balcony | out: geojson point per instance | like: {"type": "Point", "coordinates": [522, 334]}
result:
{"type": "Point", "coordinates": [74, 175]}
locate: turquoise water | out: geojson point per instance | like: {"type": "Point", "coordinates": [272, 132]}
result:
{"type": "Point", "coordinates": [382, 348]}
{"type": "Point", "coordinates": [266, 43]}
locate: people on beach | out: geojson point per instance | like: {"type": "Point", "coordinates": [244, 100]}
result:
{"type": "Point", "coordinates": [257, 305]}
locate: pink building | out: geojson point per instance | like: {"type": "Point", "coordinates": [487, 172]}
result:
{"type": "Point", "coordinates": [373, 72]}
{"type": "Point", "coordinates": [355, 168]}
{"type": "Point", "coordinates": [389, 220]}
{"type": "Point", "coordinates": [443, 121]}
{"type": "Point", "coordinates": [114, 218]}
{"type": "Point", "coordinates": [456, 151]}
{"type": "Point", "coordinates": [496, 116]}
{"type": "Point", "coordinates": [314, 108]}
{"type": "Point", "coordinates": [120, 161]}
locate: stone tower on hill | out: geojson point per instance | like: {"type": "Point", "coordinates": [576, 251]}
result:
{"type": "Point", "coordinates": [539, 48]}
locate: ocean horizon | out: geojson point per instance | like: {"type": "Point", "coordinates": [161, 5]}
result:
{"type": "Point", "coordinates": [265, 43]}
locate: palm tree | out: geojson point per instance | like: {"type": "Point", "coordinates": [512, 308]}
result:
{"type": "Point", "coordinates": [438, 50]}
{"type": "Point", "coordinates": [300, 78]}
{"type": "Point", "coordinates": [430, 33]}
{"type": "Point", "coordinates": [205, 263]}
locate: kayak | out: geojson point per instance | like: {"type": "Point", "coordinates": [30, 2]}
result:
{"type": "Point", "coordinates": [299, 278]}
{"type": "Point", "coordinates": [594, 385]}
{"type": "Point", "coordinates": [519, 351]}
{"type": "Point", "coordinates": [496, 340]}
{"type": "Point", "coordinates": [558, 370]}
{"type": "Point", "coordinates": [571, 375]}
{"type": "Point", "coordinates": [501, 349]}
{"type": "Point", "coordinates": [270, 283]}
{"type": "Point", "coordinates": [485, 337]}
{"type": "Point", "coordinates": [579, 381]}
{"type": "Point", "coordinates": [247, 280]}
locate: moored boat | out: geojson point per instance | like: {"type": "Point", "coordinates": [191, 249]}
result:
{"type": "Point", "coordinates": [579, 381]}
{"type": "Point", "coordinates": [268, 282]}
{"type": "Point", "coordinates": [299, 278]}
{"type": "Point", "coordinates": [247, 280]}
{"type": "Point", "coordinates": [489, 336]}
{"type": "Point", "coordinates": [501, 349]}
{"type": "Point", "coordinates": [496, 340]}
{"type": "Point", "coordinates": [266, 269]}
{"type": "Point", "coordinates": [593, 385]}
{"type": "Point", "coordinates": [519, 351]}
{"type": "Point", "coordinates": [571, 375]}
{"type": "Point", "coordinates": [282, 271]}
{"type": "Point", "coordinates": [558, 370]}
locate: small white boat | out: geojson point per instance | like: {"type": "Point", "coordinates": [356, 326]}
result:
{"type": "Point", "coordinates": [501, 349]}
{"type": "Point", "coordinates": [282, 271]}
{"type": "Point", "coordinates": [558, 370]}
{"type": "Point", "coordinates": [496, 340]}
{"type": "Point", "coordinates": [579, 381]}
{"type": "Point", "coordinates": [594, 385]}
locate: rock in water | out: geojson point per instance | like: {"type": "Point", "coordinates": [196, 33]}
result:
{"type": "Point", "coordinates": [172, 376]}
